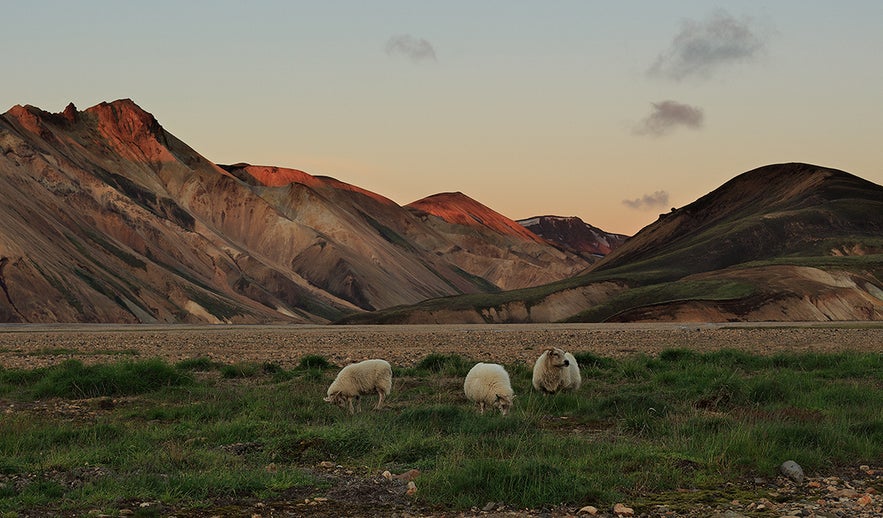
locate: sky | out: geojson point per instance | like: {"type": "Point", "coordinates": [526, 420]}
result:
{"type": "Point", "coordinates": [614, 112]}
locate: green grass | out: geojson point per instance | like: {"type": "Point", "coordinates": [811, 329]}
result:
{"type": "Point", "coordinates": [199, 433]}
{"type": "Point", "coordinates": [664, 293]}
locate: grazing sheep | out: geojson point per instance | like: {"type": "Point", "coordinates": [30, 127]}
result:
{"type": "Point", "coordinates": [358, 379]}
{"type": "Point", "coordinates": [556, 370]}
{"type": "Point", "coordinates": [488, 385]}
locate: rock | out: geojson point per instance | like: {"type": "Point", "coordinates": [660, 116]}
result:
{"type": "Point", "coordinates": [387, 475]}
{"type": "Point", "coordinates": [792, 470]}
{"type": "Point", "coordinates": [589, 509]}
{"type": "Point", "coordinates": [412, 488]}
{"type": "Point", "coordinates": [622, 510]}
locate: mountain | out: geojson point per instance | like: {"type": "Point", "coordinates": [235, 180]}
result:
{"type": "Point", "coordinates": [574, 235]}
{"type": "Point", "coordinates": [773, 211]}
{"type": "Point", "coordinates": [108, 217]}
{"type": "Point", "coordinates": [779, 243]}
{"type": "Point", "coordinates": [488, 242]}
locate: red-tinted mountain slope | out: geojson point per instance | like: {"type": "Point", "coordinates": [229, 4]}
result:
{"type": "Point", "coordinates": [110, 218]}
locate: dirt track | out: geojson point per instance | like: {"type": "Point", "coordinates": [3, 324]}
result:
{"type": "Point", "coordinates": [28, 346]}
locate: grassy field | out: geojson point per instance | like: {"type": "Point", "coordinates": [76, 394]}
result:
{"type": "Point", "coordinates": [198, 435]}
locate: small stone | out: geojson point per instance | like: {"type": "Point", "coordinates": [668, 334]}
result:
{"type": "Point", "coordinates": [387, 475]}
{"type": "Point", "coordinates": [589, 509]}
{"type": "Point", "coordinates": [865, 500]}
{"type": "Point", "coordinates": [326, 464]}
{"type": "Point", "coordinates": [412, 488]}
{"type": "Point", "coordinates": [489, 506]}
{"type": "Point", "coordinates": [622, 510]}
{"type": "Point", "coordinates": [792, 470]}
{"type": "Point", "coordinates": [865, 467]}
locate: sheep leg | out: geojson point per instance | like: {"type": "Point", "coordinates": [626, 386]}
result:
{"type": "Point", "coordinates": [481, 407]}
{"type": "Point", "coordinates": [379, 399]}
{"type": "Point", "coordinates": [350, 401]}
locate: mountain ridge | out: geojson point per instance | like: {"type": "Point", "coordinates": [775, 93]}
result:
{"type": "Point", "coordinates": [111, 218]}
{"type": "Point", "coordinates": [806, 244]}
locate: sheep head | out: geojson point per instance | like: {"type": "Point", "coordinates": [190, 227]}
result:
{"type": "Point", "coordinates": [337, 399]}
{"type": "Point", "coordinates": [555, 357]}
{"type": "Point", "coordinates": [503, 403]}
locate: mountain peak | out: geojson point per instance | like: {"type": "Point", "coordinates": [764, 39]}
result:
{"type": "Point", "coordinates": [572, 233]}
{"type": "Point", "coordinates": [458, 208]}
{"type": "Point", "coordinates": [761, 213]}
{"type": "Point", "coordinates": [125, 118]}
{"type": "Point", "coordinates": [272, 176]}
{"type": "Point", "coordinates": [130, 130]}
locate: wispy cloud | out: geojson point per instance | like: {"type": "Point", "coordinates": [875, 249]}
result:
{"type": "Point", "coordinates": [668, 115]}
{"type": "Point", "coordinates": [648, 201]}
{"type": "Point", "coordinates": [415, 49]}
{"type": "Point", "coordinates": [701, 48]}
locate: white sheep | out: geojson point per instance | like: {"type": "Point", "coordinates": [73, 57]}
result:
{"type": "Point", "coordinates": [556, 370]}
{"type": "Point", "coordinates": [357, 379]}
{"type": "Point", "coordinates": [487, 384]}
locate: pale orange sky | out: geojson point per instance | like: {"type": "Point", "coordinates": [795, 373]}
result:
{"type": "Point", "coordinates": [613, 112]}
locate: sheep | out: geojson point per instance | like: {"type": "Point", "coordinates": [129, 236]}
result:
{"type": "Point", "coordinates": [358, 379]}
{"type": "Point", "coordinates": [556, 370]}
{"type": "Point", "coordinates": [487, 384]}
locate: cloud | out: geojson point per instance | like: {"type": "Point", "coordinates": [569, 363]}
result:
{"type": "Point", "coordinates": [668, 115]}
{"type": "Point", "coordinates": [703, 47]}
{"type": "Point", "coordinates": [648, 201]}
{"type": "Point", "coordinates": [416, 49]}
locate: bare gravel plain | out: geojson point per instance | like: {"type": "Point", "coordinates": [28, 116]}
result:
{"type": "Point", "coordinates": [29, 346]}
